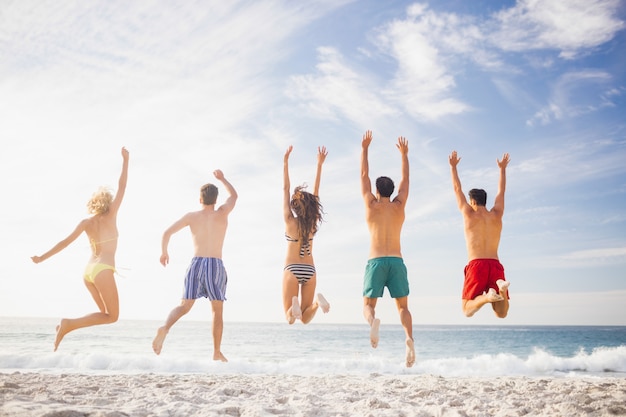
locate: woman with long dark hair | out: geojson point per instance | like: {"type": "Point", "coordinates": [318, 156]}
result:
{"type": "Point", "coordinates": [303, 214]}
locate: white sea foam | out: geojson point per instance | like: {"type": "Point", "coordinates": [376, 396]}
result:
{"type": "Point", "coordinates": [600, 361]}
{"type": "Point", "coordinates": [26, 345]}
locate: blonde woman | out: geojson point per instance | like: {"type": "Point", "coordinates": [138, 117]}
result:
{"type": "Point", "coordinates": [303, 214]}
{"type": "Point", "coordinates": [101, 229]}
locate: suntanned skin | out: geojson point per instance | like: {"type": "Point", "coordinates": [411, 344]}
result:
{"type": "Point", "coordinates": [101, 229]}
{"type": "Point", "coordinates": [385, 218]}
{"type": "Point", "coordinates": [482, 235]}
{"type": "Point", "coordinates": [305, 308]}
{"type": "Point", "coordinates": [208, 230]}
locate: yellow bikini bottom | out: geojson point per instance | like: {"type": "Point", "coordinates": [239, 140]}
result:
{"type": "Point", "coordinates": [93, 269]}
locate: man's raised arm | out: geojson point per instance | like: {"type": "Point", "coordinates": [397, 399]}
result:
{"type": "Point", "coordinates": [403, 187]}
{"type": "Point", "coordinates": [498, 204]}
{"type": "Point", "coordinates": [461, 201]}
{"type": "Point", "coordinates": [229, 204]}
{"type": "Point", "coordinates": [366, 184]}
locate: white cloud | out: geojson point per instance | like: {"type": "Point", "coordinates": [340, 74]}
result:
{"type": "Point", "coordinates": [575, 94]}
{"type": "Point", "coordinates": [338, 90]}
{"type": "Point", "coordinates": [571, 27]}
{"type": "Point", "coordinates": [429, 49]}
{"type": "Point", "coordinates": [600, 254]}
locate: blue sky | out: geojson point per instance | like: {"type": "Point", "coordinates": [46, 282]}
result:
{"type": "Point", "coordinates": [189, 87]}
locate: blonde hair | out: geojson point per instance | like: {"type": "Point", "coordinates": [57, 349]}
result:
{"type": "Point", "coordinates": [100, 201]}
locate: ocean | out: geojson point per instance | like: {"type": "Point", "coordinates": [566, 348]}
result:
{"type": "Point", "coordinates": [316, 349]}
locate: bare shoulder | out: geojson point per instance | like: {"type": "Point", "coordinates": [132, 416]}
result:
{"type": "Point", "coordinates": [496, 212]}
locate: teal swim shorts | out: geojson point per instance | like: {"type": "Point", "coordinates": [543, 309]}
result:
{"type": "Point", "coordinates": [387, 271]}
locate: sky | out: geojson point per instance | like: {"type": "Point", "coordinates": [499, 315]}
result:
{"type": "Point", "coordinates": [190, 87]}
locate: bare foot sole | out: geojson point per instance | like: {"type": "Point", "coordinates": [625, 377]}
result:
{"type": "Point", "coordinates": [295, 308]}
{"type": "Point", "coordinates": [374, 333]}
{"type": "Point", "coordinates": [157, 343]}
{"type": "Point", "coordinates": [503, 286]}
{"type": "Point", "coordinates": [219, 357]}
{"type": "Point", "coordinates": [61, 332]}
{"type": "Point", "coordinates": [321, 301]}
{"type": "Point", "coordinates": [493, 296]}
{"type": "Point", "coordinates": [410, 353]}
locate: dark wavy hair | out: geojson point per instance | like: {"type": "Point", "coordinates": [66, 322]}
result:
{"type": "Point", "coordinates": [478, 195]}
{"type": "Point", "coordinates": [385, 186]}
{"type": "Point", "coordinates": [308, 211]}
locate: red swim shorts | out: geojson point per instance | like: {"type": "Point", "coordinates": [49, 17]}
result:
{"type": "Point", "coordinates": [480, 275]}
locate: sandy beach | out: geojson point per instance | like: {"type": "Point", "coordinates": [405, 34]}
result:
{"type": "Point", "coordinates": [74, 395]}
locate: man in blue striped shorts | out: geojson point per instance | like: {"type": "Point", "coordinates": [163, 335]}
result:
{"type": "Point", "coordinates": [206, 275]}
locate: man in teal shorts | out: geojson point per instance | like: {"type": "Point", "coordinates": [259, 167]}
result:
{"type": "Point", "coordinates": [385, 267]}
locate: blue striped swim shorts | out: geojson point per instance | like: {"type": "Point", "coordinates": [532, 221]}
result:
{"type": "Point", "coordinates": [205, 277]}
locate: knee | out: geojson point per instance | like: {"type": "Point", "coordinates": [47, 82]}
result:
{"type": "Point", "coordinates": [501, 314]}
{"type": "Point", "coordinates": [468, 312]}
{"type": "Point", "coordinates": [113, 317]}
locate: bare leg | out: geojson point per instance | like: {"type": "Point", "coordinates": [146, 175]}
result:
{"type": "Point", "coordinates": [175, 314]}
{"type": "Point", "coordinates": [369, 312]}
{"type": "Point", "coordinates": [296, 311]}
{"type": "Point", "coordinates": [407, 323]}
{"type": "Point", "coordinates": [291, 288]}
{"type": "Point", "coordinates": [104, 293]}
{"type": "Point", "coordinates": [470, 307]}
{"type": "Point", "coordinates": [218, 327]}
{"type": "Point", "coordinates": [501, 308]}
{"type": "Point", "coordinates": [308, 305]}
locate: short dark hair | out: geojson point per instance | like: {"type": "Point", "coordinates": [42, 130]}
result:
{"type": "Point", "coordinates": [208, 193]}
{"type": "Point", "coordinates": [384, 186]}
{"type": "Point", "coordinates": [479, 196]}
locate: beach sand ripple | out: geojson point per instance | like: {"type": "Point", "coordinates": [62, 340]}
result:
{"type": "Point", "coordinates": [143, 395]}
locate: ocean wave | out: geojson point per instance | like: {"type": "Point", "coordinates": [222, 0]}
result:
{"type": "Point", "coordinates": [602, 360]}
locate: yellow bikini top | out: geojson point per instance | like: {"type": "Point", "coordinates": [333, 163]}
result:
{"type": "Point", "coordinates": [94, 243]}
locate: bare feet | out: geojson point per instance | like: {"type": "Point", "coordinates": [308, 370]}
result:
{"type": "Point", "coordinates": [219, 357]}
{"type": "Point", "coordinates": [322, 303]}
{"type": "Point", "coordinates": [410, 353]}
{"type": "Point", "coordinates": [61, 332]}
{"type": "Point", "coordinates": [295, 308]}
{"type": "Point", "coordinates": [503, 286]}
{"type": "Point", "coordinates": [374, 333]}
{"type": "Point", "coordinates": [157, 343]}
{"type": "Point", "coordinates": [493, 296]}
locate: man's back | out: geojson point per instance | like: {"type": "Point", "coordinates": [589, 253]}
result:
{"type": "Point", "coordinates": [482, 227]}
{"type": "Point", "coordinates": [208, 230]}
{"type": "Point", "coordinates": [384, 219]}
{"type": "Point", "coordinates": [384, 216]}
{"type": "Point", "coordinates": [482, 232]}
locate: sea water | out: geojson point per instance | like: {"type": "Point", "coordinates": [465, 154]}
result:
{"type": "Point", "coordinates": [26, 345]}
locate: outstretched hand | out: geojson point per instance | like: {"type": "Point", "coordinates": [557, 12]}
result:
{"type": "Point", "coordinates": [218, 174]}
{"type": "Point", "coordinates": [321, 154]}
{"type": "Point", "coordinates": [454, 159]}
{"type": "Point", "coordinates": [367, 139]}
{"type": "Point", "coordinates": [403, 145]}
{"type": "Point", "coordinates": [36, 259]}
{"type": "Point", "coordinates": [505, 161]}
{"type": "Point", "coordinates": [125, 153]}
{"type": "Point", "coordinates": [288, 152]}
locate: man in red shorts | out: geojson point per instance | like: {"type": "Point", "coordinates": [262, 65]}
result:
{"type": "Point", "coordinates": [484, 275]}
